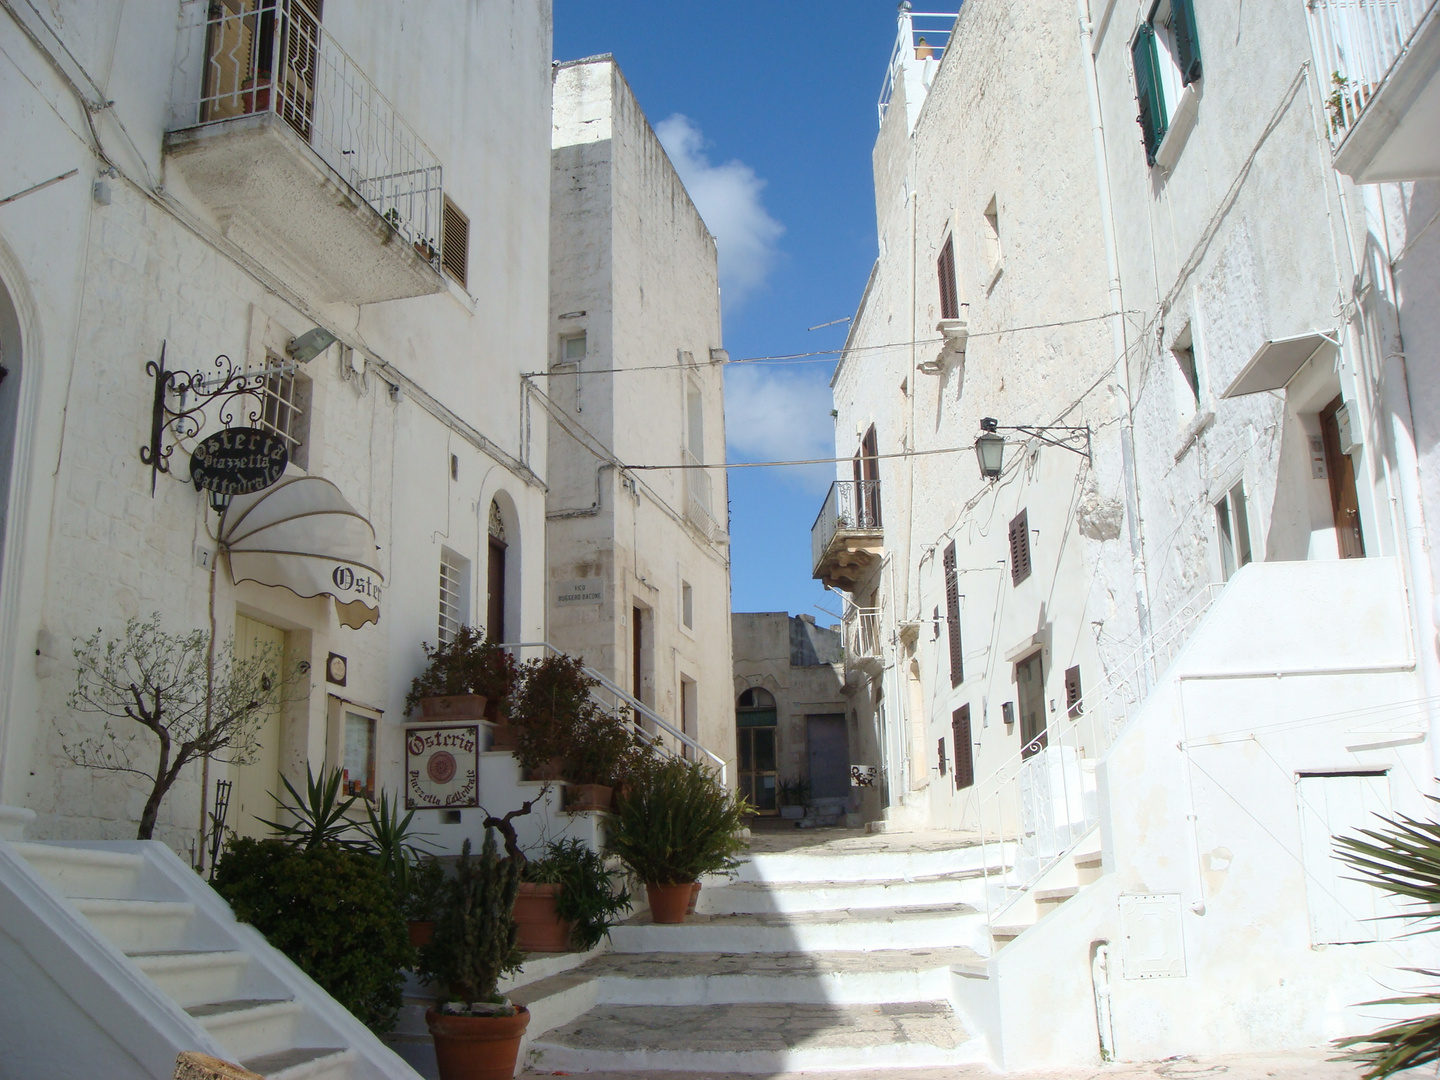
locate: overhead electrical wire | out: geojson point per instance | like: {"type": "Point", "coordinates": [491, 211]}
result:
{"type": "Point", "coordinates": [804, 461]}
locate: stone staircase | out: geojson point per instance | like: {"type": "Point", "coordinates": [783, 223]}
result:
{"type": "Point", "coordinates": [838, 955]}
{"type": "Point", "coordinates": [125, 945]}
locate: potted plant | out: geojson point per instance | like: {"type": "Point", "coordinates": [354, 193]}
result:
{"type": "Point", "coordinates": [673, 825]}
{"type": "Point", "coordinates": [423, 900]}
{"type": "Point", "coordinates": [477, 1032]}
{"type": "Point", "coordinates": [600, 744]}
{"type": "Point", "coordinates": [794, 798]}
{"type": "Point", "coordinates": [466, 678]}
{"type": "Point", "coordinates": [551, 702]}
{"type": "Point", "coordinates": [567, 900]}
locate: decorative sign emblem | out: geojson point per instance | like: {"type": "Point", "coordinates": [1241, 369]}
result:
{"type": "Point", "coordinates": [864, 775]}
{"type": "Point", "coordinates": [442, 767]}
{"type": "Point", "coordinates": [238, 461]}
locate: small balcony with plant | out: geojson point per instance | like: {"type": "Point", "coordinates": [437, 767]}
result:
{"type": "Point", "coordinates": [1379, 61]}
{"type": "Point", "coordinates": [846, 538]}
{"type": "Point", "coordinates": [304, 163]}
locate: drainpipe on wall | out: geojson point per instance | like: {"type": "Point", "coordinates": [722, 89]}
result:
{"type": "Point", "coordinates": [1117, 334]}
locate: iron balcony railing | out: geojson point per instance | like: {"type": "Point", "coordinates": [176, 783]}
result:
{"type": "Point", "coordinates": [275, 56]}
{"type": "Point", "coordinates": [1357, 42]}
{"type": "Point", "coordinates": [1034, 809]}
{"type": "Point", "coordinates": [850, 506]}
{"type": "Point", "coordinates": [922, 36]}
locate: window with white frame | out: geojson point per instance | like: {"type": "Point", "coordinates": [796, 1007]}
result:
{"type": "Point", "coordinates": [358, 754]}
{"type": "Point", "coordinates": [687, 605]}
{"type": "Point", "coordinates": [1166, 54]}
{"type": "Point", "coordinates": [454, 594]}
{"type": "Point", "coordinates": [1187, 377]}
{"type": "Point", "coordinates": [1232, 525]}
{"type": "Point", "coordinates": [285, 406]}
{"type": "Point", "coordinates": [572, 348]}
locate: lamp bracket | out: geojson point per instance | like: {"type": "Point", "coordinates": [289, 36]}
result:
{"type": "Point", "coordinates": [1074, 439]}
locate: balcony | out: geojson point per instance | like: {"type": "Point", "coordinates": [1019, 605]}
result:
{"type": "Point", "coordinates": [1379, 61]}
{"type": "Point", "coordinates": [304, 163]}
{"type": "Point", "coordinates": [846, 538]}
{"type": "Point", "coordinates": [699, 497]}
{"type": "Point", "coordinates": [864, 640]}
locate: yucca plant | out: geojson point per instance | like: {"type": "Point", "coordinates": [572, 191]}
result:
{"type": "Point", "coordinates": [393, 840]}
{"type": "Point", "coordinates": [1403, 859]}
{"type": "Point", "coordinates": [676, 823]}
{"type": "Point", "coordinates": [319, 812]}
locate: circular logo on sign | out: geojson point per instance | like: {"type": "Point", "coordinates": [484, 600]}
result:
{"type": "Point", "coordinates": [441, 767]}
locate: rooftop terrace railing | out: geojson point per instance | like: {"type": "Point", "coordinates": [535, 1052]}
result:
{"type": "Point", "coordinates": [1356, 43]}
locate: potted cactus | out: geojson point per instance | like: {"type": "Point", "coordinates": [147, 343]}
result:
{"type": "Point", "coordinates": [477, 1032]}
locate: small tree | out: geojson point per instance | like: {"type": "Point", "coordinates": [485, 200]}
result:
{"type": "Point", "coordinates": [164, 684]}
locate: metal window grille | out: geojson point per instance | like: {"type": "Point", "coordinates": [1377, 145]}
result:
{"type": "Point", "coordinates": [282, 405]}
{"type": "Point", "coordinates": [452, 584]}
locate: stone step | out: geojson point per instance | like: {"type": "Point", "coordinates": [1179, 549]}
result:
{"type": "Point", "coordinates": [815, 931]}
{"type": "Point", "coordinates": [755, 1039]}
{"type": "Point", "coordinates": [870, 858]}
{"type": "Point", "coordinates": [1088, 868]}
{"type": "Point", "coordinates": [736, 979]}
{"type": "Point", "coordinates": [139, 925]}
{"type": "Point", "coordinates": [193, 978]}
{"type": "Point", "coordinates": [72, 871]}
{"type": "Point", "coordinates": [1047, 900]}
{"type": "Point", "coordinates": [1003, 935]}
{"type": "Point", "coordinates": [303, 1063]}
{"type": "Point", "coordinates": [756, 897]}
{"type": "Point", "coordinates": [250, 1027]}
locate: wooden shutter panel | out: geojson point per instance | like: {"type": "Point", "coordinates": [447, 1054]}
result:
{"type": "Point", "coordinates": [1187, 45]}
{"type": "Point", "coordinates": [964, 748]}
{"type": "Point", "coordinates": [1020, 547]}
{"type": "Point", "coordinates": [952, 615]}
{"type": "Point", "coordinates": [940, 749]}
{"type": "Point", "coordinates": [1147, 90]}
{"type": "Point", "coordinates": [945, 270]}
{"type": "Point", "coordinates": [454, 242]}
{"type": "Point", "coordinates": [1073, 707]}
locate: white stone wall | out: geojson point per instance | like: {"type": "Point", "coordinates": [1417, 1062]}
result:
{"type": "Point", "coordinates": [98, 288]}
{"type": "Point", "coordinates": [633, 267]}
{"type": "Point", "coordinates": [1005, 119]}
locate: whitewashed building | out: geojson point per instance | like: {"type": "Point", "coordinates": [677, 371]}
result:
{"type": "Point", "coordinates": [1218, 632]}
{"type": "Point", "coordinates": [639, 562]}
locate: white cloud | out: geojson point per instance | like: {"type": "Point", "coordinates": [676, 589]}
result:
{"type": "Point", "coordinates": [728, 198]}
{"type": "Point", "coordinates": [780, 415]}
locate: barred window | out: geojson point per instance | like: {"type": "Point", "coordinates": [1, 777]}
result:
{"type": "Point", "coordinates": [454, 591]}
{"type": "Point", "coordinates": [285, 407]}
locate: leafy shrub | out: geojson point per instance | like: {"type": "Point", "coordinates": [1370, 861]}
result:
{"type": "Point", "coordinates": [589, 899]}
{"type": "Point", "coordinates": [332, 911]}
{"type": "Point", "coordinates": [424, 890]}
{"type": "Point", "coordinates": [469, 664]}
{"type": "Point", "coordinates": [676, 823]}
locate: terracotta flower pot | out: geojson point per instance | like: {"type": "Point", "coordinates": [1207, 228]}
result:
{"type": "Point", "coordinates": [504, 737]}
{"type": "Point", "coordinates": [669, 903]}
{"type": "Point", "coordinates": [580, 798]}
{"type": "Point", "coordinates": [422, 931]}
{"type": "Point", "coordinates": [540, 926]}
{"type": "Point", "coordinates": [477, 1047]}
{"type": "Point", "coordinates": [454, 707]}
{"type": "Point", "coordinates": [553, 769]}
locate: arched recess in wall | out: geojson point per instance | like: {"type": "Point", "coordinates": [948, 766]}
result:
{"type": "Point", "coordinates": [756, 720]}
{"type": "Point", "coordinates": [502, 553]}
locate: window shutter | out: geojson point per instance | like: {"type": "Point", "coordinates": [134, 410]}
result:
{"type": "Point", "coordinates": [1020, 547]}
{"type": "Point", "coordinates": [964, 748]}
{"type": "Point", "coordinates": [1147, 90]}
{"type": "Point", "coordinates": [1187, 45]}
{"type": "Point", "coordinates": [945, 269]}
{"type": "Point", "coordinates": [1072, 693]}
{"type": "Point", "coordinates": [454, 242]}
{"type": "Point", "coordinates": [952, 616]}
{"type": "Point", "coordinates": [940, 749]}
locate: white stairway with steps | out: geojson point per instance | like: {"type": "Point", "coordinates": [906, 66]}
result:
{"type": "Point", "coordinates": [114, 957]}
{"type": "Point", "coordinates": [840, 956]}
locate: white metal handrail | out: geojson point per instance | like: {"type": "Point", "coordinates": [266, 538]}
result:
{"type": "Point", "coordinates": [1042, 801]}
{"type": "Point", "coordinates": [864, 635]}
{"type": "Point", "coordinates": [640, 713]}
{"type": "Point", "coordinates": [1356, 43]}
{"type": "Point", "coordinates": [915, 43]}
{"type": "Point", "coordinates": [699, 493]}
{"type": "Point", "coordinates": [275, 56]}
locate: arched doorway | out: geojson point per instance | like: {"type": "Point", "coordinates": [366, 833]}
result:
{"type": "Point", "coordinates": [755, 727]}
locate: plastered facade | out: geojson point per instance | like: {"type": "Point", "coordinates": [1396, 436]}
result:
{"type": "Point", "coordinates": [421, 428]}
{"type": "Point", "coordinates": [633, 275]}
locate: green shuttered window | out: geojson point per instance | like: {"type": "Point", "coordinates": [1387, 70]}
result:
{"type": "Point", "coordinates": [1147, 90]}
{"type": "Point", "coordinates": [1187, 45]}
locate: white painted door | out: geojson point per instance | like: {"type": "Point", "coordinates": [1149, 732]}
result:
{"type": "Point", "coordinates": [1341, 910]}
{"type": "Point", "coordinates": [253, 797]}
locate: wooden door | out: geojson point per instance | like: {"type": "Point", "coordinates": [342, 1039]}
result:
{"type": "Point", "coordinates": [253, 796]}
{"type": "Point", "coordinates": [495, 592]}
{"type": "Point", "coordinates": [828, 754]}
{"type": "Point", "coordinates": [758, 774]}
{"type": "Point", "coordinates": [1344, 498]}
{"type": "Point", "coordinates": [1030, 681]}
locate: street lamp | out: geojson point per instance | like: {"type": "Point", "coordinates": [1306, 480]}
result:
{"type": "Point", "coordinates": [990, 449]}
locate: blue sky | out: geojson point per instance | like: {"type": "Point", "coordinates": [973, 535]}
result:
{"type": "Point", "coordinates": [769, 113]}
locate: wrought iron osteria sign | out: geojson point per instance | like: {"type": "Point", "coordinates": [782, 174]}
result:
{"type": "Point", "coordinates": [238, 461]}
{"type": "Point", "coordinates": [442, 767]}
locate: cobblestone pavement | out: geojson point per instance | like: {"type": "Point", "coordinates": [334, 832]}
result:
{"type": "Point", "coordinates": [676, 965]}
{"type": "Point", "coordinates": [700, 1028]}
{"type": "Point", "coordinates": [855, 841]}
{"type": "Point", "coordinates": [1298, 1065]}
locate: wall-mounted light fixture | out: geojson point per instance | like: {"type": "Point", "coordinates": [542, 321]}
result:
{"type": "Point", "coordinates": [990, 444]}
{"type": "Point", "coordinates": [309, 345]}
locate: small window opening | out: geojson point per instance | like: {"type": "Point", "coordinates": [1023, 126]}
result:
{"type": "Point", "coordinates": [285, 407]}
{"type": "Point", "coordinates": [945, 270]}
{"type": "Point", "coordinates": [994, 253]}
{"type": "Point", "coordinates": [572, 348]}
{"type": "Point", "coordinates": [687, 605]}
{"type": "Point", "coordinates": [454, 592]}
{"type": "Point", "coordinates": [1233, 525]}
{"type": "Point", "coordinates": [454, 241]}
{"type": "Point", "coordinates": [454, 466]}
